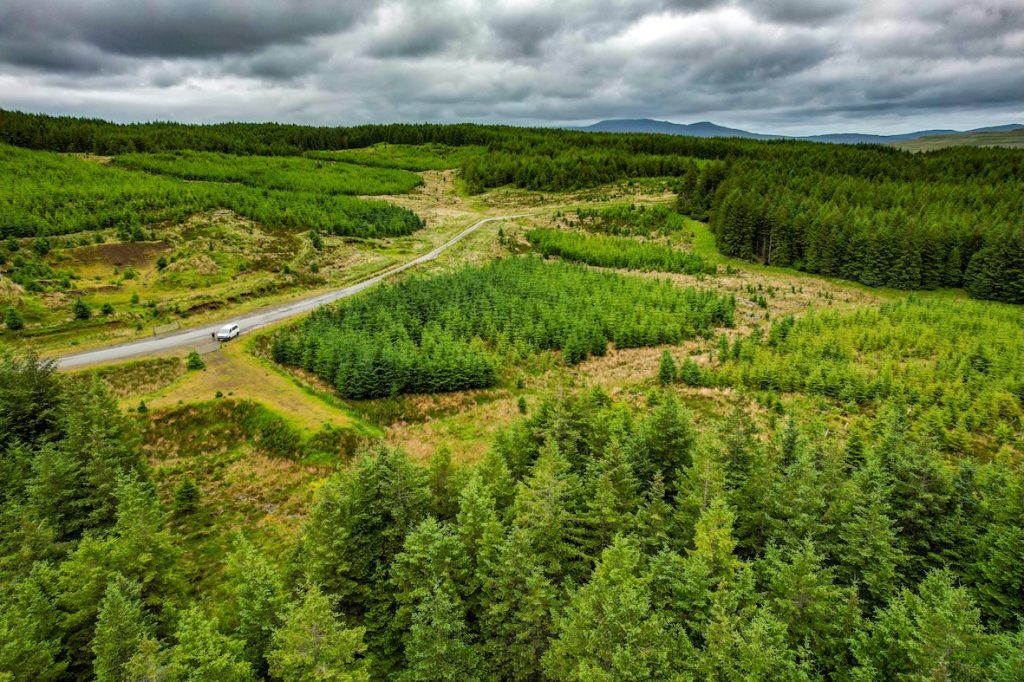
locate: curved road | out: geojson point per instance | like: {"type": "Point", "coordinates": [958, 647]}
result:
{"type": "Point", "coordinates": [198, 336]}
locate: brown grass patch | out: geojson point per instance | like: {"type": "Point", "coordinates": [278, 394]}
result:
{"type": "Point", "coordinates": [120, 254]}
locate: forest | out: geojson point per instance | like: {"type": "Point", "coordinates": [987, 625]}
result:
{"type": "Point", "coordinates": [617, 252]}
{"type": "Point", "coordinates": [457, 331]}
{"type": "Point", "coordinates": [957, 362]}
{"type": "Point", "coordinates": [820, 485]}
{"type": "Point", "coordinates": [869, 213]}
{"type": "Point", "coordinates": [597, 540]}
{"type": "Point", "coordinates": [274, 172]}
{"type": "Point", "coordinates": [51, 194]}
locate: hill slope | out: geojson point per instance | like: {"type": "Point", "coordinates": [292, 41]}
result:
{"type": "Point", "coordinates": [1007, 136]}
{"type": "Point", "coordinates": [708, 129]}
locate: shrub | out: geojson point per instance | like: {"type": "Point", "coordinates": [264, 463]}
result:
{"type": "Point", "coordinates": [107, 309]}
{"type": "Point", "coordinates": [666, 369]}
{"type": "Point", "coordinates": [12, 319]}
{"type": "Point", "coordinates": [81, 310]}
{"type": "Point", "coordinates": [186, 496]}
{"type": "Point", "coordinates": [195, 361]}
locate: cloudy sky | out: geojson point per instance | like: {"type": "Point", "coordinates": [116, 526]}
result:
{"type": "Point", "coordinates": [787, 66]}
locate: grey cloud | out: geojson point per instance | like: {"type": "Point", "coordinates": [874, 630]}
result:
{"type": "Point", "coordinates": [813, 12]}
{"type": "Point", "coordinates": [753, 63]}
{"type": "Point", "coordinates": [177, 28]}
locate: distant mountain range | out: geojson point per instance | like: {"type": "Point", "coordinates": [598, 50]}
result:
{"type": "Point", "coordinates": [708, 129]}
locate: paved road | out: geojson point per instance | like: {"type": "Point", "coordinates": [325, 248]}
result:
{"type": "Point", "coordinates": [198, 336]}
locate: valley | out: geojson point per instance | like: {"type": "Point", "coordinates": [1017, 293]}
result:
{"type": "Point", "coordinates": [507, 404]}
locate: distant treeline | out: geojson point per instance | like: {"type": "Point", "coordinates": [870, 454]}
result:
{"type": "Point", "coordinates": [451, 332]}
{"type": "Point", "coordinates": [946, 219]}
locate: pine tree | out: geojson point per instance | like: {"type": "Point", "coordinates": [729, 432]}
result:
{"type": "Point", "coordinates": [610, 629]}
{"type": "Point", "coordinates": [439, 646]}
{"type": "Point", "coordinates": [869, 555]}
{"type": "Point", "coordinates": [81, 310]}
{"type": "Point", "coordinates": [138, 547]}
{"type": "Point", "coordinates": [30, 635]}
{"type": "Point", "coordinates": [13, 320]}
{"type": "Point", "coordinates": [186, 495]}
{"type": "Point", "coordinates": [202, 653]}
{"type": "Point", "coordinates": [516, 618]}
{"type": "Point", "coordinates": [257, 599]}
{"type": "Point", "coordinates": [666, 368]}
{"type": "Point", "coordinates": [748, 646]}
{"type": "Point", "coordinates": [357, 526]}
{"type": "Point", "coordinates": [476, 525]}
{"type": "Point", "coordinates": [432, 555]}
{"type": "Point", "coordinates": [545, 511]}
{"type": "Point", "coordinates": [690, 373]}
{"type": "Point", "coordinates": [311, 644]}
{"type": "Point", "coordinates": [933, 633]}
{"type": "Point", "coordinates": [121, 626]}
{"type": "Point", "coordinates": [665, 441]}
{"type": "Point", "coordinates": [818, 614]}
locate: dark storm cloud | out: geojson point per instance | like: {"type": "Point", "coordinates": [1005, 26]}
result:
{"type": "Point", "coordinates": [768, 64]}
{"type": "Point", "coordinates": [176, 28]}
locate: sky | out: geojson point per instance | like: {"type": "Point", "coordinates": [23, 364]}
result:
{"type": "Point", "coordinates": [780, 66]}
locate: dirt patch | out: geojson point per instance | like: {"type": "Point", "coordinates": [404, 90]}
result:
{"type": "Point", "coordinates": [120, 254]}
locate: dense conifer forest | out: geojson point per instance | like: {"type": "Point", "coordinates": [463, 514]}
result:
{"type": "Point", "coordinates": [48, 194]}
{"type": "Point", "coordinates": [454, 332]}
{"type": "Point", "coordinates": [596, 540]}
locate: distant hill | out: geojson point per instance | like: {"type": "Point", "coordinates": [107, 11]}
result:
{"type": "Point", "coordinates": [1000, 136]}
{"type": "Point", "coordinates": [708, 129]}
{"type": "Point", "coordinates": [647, 125]}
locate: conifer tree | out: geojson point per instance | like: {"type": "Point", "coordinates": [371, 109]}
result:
{"type": "Point", "coordinates": [666, 368]}
{"type": "Point", "coordinates": [30, 643]}
{"type": "Point", "coordinates": [121, 626]}
{"type": "Point", "coordinates": [610, 629]}
{"type": "Point", "coordinates": [516, 618]}
{"type": "Point", "coordinates": [311, 644]}
{"type": "Point", "coordinates": [203, 653]}
{"type": "Point", "coordinates": [665, 441]}
{"type": "Point", "coordinates": [439, 646]}
{"type": "Point", "coordinates": [257, 597]}
{"type": "Point", "coordinates": [818, 615]}
{"type": "Point", "coordinates": [934, 632]}
{"type": "Point", "coordinates": [869, 555]}
{"type": "Point", "coordinates": [545, 511]}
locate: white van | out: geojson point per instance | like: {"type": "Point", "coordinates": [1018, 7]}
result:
{"type": "Point", "coordinates": [227, 332]}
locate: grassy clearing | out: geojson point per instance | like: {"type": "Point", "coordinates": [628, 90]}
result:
{"type": "Point", "coordinates": [243, 489]}
{"type": "Point", "coordinates": [133, 379]}
{"type": "Point", "coordinates": [236, 374]}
